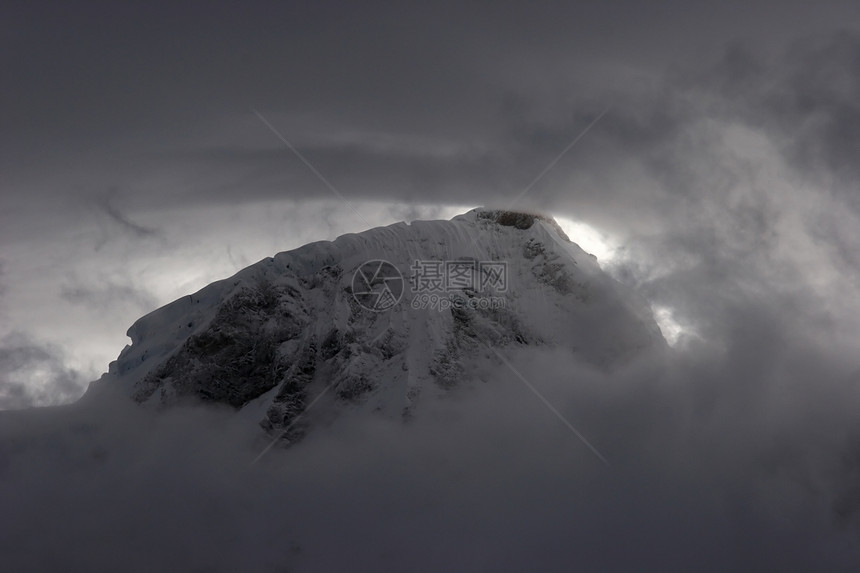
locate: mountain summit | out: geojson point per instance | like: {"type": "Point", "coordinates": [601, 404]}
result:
{"type": "Point", "coordinates": [381, 318]}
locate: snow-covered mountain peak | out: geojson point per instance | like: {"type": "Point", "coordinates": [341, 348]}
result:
{"type": "Point", "coordinates": [381, 318]}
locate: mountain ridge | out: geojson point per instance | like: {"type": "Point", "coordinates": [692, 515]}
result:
{"type": "Point", "coordinates": [294, 325]}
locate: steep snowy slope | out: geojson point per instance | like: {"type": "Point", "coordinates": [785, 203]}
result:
{"type": "Point", "coordinates": [380, 318]}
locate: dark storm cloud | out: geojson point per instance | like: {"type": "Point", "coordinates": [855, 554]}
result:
{"type": "Point", "coordinates": [120, 89]}
{"type": "Point", "coordinates": [737, 458]}
{"type": "Point", "coordinates": [805, 97]}
{"type": "Point", "coordinates": [841, 242]}
{"type": "Point", "coordinates": [33, 374]}
{"type": "Point", "coordinates": [108, 207]}
{"type": "Point", "coordinates": [652, 137]}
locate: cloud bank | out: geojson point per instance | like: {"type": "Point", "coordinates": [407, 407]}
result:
{"type": "Point", "coordinates": [720, 457]}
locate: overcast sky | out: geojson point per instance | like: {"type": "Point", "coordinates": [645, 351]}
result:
{"type": "Point", "coordinates": [709, 152]}
{"type": "Point", "coordinates": [134, 168]}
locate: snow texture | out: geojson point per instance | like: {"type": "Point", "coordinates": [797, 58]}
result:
{"type": "Point", "coordinates": [284, 330]}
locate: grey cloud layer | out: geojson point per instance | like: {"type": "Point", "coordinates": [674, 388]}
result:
{"type": "Point", "coordinates": [33, 374]}
{"type": "Point", "coordinates": [736, 458]}
{"type": "Point", "coordinates": [117, 88]}
{"type": "Point", "coordinates": [727, 168]}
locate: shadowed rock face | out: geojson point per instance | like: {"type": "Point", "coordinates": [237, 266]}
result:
{"type": "Point", "coordinates": [237, 358]}
{"type": "Point", "coordinates": [513, 219]}
{"type": "Point", "coordinates": [284, 330]}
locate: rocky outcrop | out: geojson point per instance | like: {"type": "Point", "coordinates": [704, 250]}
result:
{"type": "Point", "coordinates": [289, 328]}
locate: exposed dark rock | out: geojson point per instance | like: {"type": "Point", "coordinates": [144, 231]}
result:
{"type": "Point", "coordinates": [235, 360]}
{"type": "Point", "coordinates": [520, 220]}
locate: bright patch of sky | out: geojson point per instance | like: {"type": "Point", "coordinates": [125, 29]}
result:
{"type": "Point", "coordinates": [591, 239]}
{"type": "Point", "coordinates": [608, 250]}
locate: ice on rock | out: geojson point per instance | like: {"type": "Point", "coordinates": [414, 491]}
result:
{"type": "Point", "coordinates": [287, 327]}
